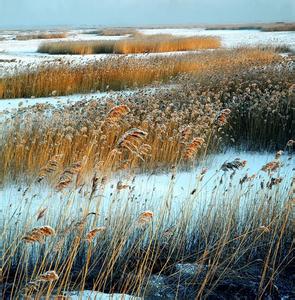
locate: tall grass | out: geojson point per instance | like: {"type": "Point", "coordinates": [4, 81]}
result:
{"type": "Point", "coordinates": [119, 73]}
{"type": "Point", "coordinates": [267, 27]}
{"type": "Point", "coordinates": [280, 27]}
{"type": "Point", "coordinates": [40, 36]}
{"type": "Point", "coordinates": [114, 32]}
{"type": "Point", "coordinates": [76, 213]}
{"type": "Point", "coordinates": [138, 44]}
{"type": "Point", "coordinates": [224, 233]}
{"type": "Point", "coordinates": [178, 119]}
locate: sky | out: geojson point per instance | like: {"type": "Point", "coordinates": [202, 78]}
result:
{"type": "Point", "coordinates": [41, 13]}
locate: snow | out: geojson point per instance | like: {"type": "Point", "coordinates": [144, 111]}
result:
{"type": "Point", "coordinates": [151, 190]}
{"type": "Point", "coordinates": [91, 295]}
{"type": "Point", "coordinates": [234, 38]}
{"type": "Point", "coordinates": [18, 55]}
{"type": "Point", "coordinates": [11, 105]}
{"type": "Point", "coordinates": [10, 45]}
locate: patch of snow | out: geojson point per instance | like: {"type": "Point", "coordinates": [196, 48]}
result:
{"type": "Point", "coordinates": [91, 295]}
{"type": "Point", "coordinates": [151, 190]}
{"type": "Point", "coordinates": [11, 105]}
{"type": "Point", "coordinates": [233, 38]}
{"type": "Point", "coordinates": [12, 46]}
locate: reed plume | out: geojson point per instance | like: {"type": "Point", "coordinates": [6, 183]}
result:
{"type": "Point", "coordinates": [290, 143]}
{"type": "Point", "coordinates": [271, 166]}
{"type": "Point", "coordinates": [67, 176]}
{"type": "Point", "coordinates": [38, 234]}
{"type": "Point", "coordinates": [77, 225]}
{"type": "Point", "coordinates": [222, 118]}
{"type": "Point", "coordinates": [131, 139]}
{"type": "Point", "coordinates": [274, 181]}
{"type": "Point", "coordinates": [48, 276]}
{"type": "Point", "coordinates": [32, 286]}
{"type": "Point", "coordinates": [185, 133]}
{"type": "Point", "coordinates": [193, 147]}
{"type": "Point", "coordinates": [121, 185]}
{"type": "Point", "coordinates": [117, 113]}
{"type": "Point", "coordinates": [145, 217]}
{"type": "Point", "coordinates": [92, 233]}
{"type": "Point", "coordinates": [50, 167]}
{"type": "Point", "coordinates": [144, 150]}
{"type": "Point", "coordinates": [233, 165]}
{"type": "Point", "coordinates": [41, 213]}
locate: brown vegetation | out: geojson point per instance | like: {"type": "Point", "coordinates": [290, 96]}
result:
{"type": "Point", "coordinates": [40, 36]}
{"type": "Point", "coordinates": [114, 135]}
{"type": "Point", "coordinates": [279, 26]}
{"type": "Point", "coordinates": [119, 73]}
{"type": "Point", "coordinates": [139, 44]}
{"type": "Point", "coordinates": [246, 230]}
{"type": "Point", "coordinates": [114, 31]}
{"type": "Point", "coordinates": [66, 226]}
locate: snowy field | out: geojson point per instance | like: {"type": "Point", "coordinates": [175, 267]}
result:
{"type": "Point", "coordinates": [151, 191]}
{"type": "Point", "coordinates": [235, 38]}
{"type": "Point", "coordinates": [16, 55]}
{"type": "Point", "coordinates": [193, 190]}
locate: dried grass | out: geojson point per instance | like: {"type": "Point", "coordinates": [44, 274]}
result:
{"type": "Point", "coordinates": [223, 230]}
{"type": "Point", "coordinates": [139, 44]}
{"type": "Point", "coordinates": [119, 73]}
{"type": "Point", "coordinates": [41, 36]}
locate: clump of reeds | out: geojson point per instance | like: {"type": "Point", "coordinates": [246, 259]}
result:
{"type": "Point", "coordinates": [114, 31]}
{"type": "Point", "coordinates": [92, 130]}
{"type": "Point", "coordinates": [278, 26]}
{"type": "Point", "coordinates": [41, 36]}
{"type": "Point", "coordinates": [244, 228]}
{"type": "Point", "coordinates": [119, 73]}
{"type": "Point", "coordinates": [138, 44]}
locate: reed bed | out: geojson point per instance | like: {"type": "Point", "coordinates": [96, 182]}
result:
{"type": "Point", "coordinates": [253, 108]}
{"type": "Point", "coordinates": [280, 27]}
{"type": "Point", "coordinates": [117, 73]}
{"type": "Point", "coordinates": [41, 36]}
{"type": "Point", "coordinates": [237, 238]}
{"type": "Point", "coordinates": [114, 32]}
{"type": "Point", "coordinates": [269, 27]}
{"type": "Point", "coordinates": [137, 44]}
{"type": "Point", "coordinates": [84, 207]}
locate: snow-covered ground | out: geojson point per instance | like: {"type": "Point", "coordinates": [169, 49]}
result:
{"type": "Point", "coordinates": [8, 106]}
{"type": "Point", "coordinates": [90, 295]}
{"type": "Point", "coordinates": [17, 55]}
{"type": "Point", "coordinates": [156, 190]}
{"type": "Point", "coordinates": [230, 38]}
{"type": "Point", "coordinates": [29, 47]}
{"type": "Point", "coordinates": [234, 38]}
